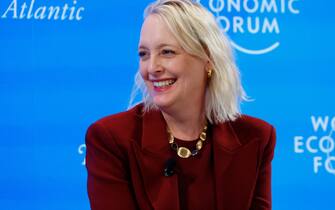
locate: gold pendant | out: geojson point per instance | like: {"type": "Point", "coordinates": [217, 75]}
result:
{"type": "Point", "coordinates": [183, 152]}
{"type": "Point", "coordinates": [199, 145]}
{"type": "Point", "coordinates": [203, 136]}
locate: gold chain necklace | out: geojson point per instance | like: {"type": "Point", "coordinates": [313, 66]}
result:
{"type": "Point", "coordinates": [184, 152]}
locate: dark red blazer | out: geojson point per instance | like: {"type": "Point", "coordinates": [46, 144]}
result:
{"type": "Point", "coordinates": [126, 153]}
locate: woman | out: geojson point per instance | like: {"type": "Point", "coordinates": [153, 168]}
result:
{"type": "Point", "coordinates": [186, 146]}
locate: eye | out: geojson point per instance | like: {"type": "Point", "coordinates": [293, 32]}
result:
{"type": "Point", "coordinates": [168, 52]}
{"type": "Point", "coordinates": [142, 54]}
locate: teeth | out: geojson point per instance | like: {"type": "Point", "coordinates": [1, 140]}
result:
{"type": "Point", "coordinates": [163, 83]}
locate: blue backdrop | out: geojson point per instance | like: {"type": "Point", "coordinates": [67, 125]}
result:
{"type": "Point", "coordinates": [65, 64]}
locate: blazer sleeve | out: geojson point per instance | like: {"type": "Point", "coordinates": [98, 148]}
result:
{"type": "Point", "coordinates": [262, 195]}
{"type": "Point", "coordinates": [108, 182]}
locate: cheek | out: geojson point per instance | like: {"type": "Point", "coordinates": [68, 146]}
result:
{"type": "Point", "coordinates": [196, 78]}
{"type": "Point", "coordinates": [143, 71]}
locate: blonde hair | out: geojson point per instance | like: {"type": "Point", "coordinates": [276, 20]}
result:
{"type": "Point", "coordinates": [198, 33]}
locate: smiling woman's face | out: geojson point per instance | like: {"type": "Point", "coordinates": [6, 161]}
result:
{"type": "Point", "coordinates": [173, 77]}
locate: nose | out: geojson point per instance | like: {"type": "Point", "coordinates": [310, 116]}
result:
{"type": "Point", "coordinates": [155, 65]}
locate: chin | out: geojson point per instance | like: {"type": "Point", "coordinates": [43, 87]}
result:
{"type": "Point", "coordinates": [162, 102]}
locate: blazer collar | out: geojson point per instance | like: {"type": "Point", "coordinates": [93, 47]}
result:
{"type": "Point", "coordinates": [154, 134]}
{"type": "Point", "coordinates": [154, 150]}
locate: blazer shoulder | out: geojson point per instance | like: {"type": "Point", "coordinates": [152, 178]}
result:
{"type": "Point", "coordinates": [122, 120]}
{"type": "Point", "coordinates": [248, 127]}
{"type": "Point", "coordinates": [121, 127]}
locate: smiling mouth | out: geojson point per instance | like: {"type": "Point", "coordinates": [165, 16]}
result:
{"type": "Point", "coordinates": [164, 83]}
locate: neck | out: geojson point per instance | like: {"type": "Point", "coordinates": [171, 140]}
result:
{"type": "Point", "coordinates": [186, 124]}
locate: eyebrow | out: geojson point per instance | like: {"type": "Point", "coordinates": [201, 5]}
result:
{"type": "Point", "coordinates": [158, 47]}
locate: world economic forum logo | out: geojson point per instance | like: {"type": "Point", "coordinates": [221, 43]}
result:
{"type": "Point", "coordinates": [253, 21]}
{"type": "Point", "coordinates": [320, 144]}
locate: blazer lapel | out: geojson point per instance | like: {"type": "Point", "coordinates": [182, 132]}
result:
{"type": "Point", "coordinates": [228, 149]}
{"type": "Point", "coordinates": [151, 154]}
{"type": "Point", "coordinates": [225, 143]}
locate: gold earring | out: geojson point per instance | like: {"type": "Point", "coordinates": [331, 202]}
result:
{"type": "Point", "coordinates": [209, 73]}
